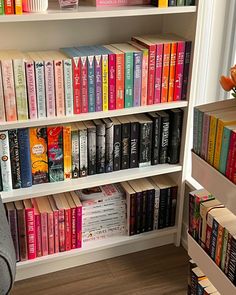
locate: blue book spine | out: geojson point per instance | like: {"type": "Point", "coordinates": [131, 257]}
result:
{"type": "Point", "coordinates": [137, 78]}
{"type": "Point", "coordinates": [224, 150]}
{"type": "Point", "coordinates": [91, 84]}
{"type": "Point", "coordinates": [25, 162]}
{"type": "Point", "coordinates": [200, 290]}
{"type": "Point", "coordinates": [213, 239]}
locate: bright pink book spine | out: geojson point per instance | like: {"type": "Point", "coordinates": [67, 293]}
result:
{"type": "Point", "coordinates": [9, 90]}
{"type": "Point", "coordinates": [50, 233]}
{"type": "Point", "coordinates": [79, 227]}
{"type": "Point", "coordinates": [231, 157]}
{"type": "Point", "coordinates": [73, 228]}
{"type": "Point", "coordinates": [84, 85]}
{"type": "Point", "coordinates": [50, 89]}
{"type": "Point", "coordinates": [44, 231]}
{"type": "Point", "coordinates": [158, 74]}
{"type": "Point", "coordinates": [114, 3]}
{"type": "Point", "coordinates": [62, 237]}
{"type": "Point", "coordinates": [59, 88]}
{"type": "Point", "coordinates": [56, 231]}
{"type": "Point", "coordinates": [31, 89]}
{"type": "Point", "coordinates": [179, 70]}
{"type": "Point", "coordinates": [68, 228]}
{"type": "Point", "coordinates": [151, 74]}
{"type": "Point", "coordinates": [30, 232]}
{"type": "Point", "coordinates": [38, 235]}
{"type": "Point", "coordinates": [112, 81]}
{"type": "Point", "coordinates": [77, 85]}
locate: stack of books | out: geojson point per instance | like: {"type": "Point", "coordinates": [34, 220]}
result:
{"type": "Point", "coordinates": [49, 154]}
{"type": "Point", "coordinates": [215, 135]}
{"type": "Point", "coordinates": [166, 3]}
{"type": "Point", "coordinates": [213, 227]}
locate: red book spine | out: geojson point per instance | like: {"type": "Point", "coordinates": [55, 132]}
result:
{"type": "Point", "coordinates": [44, 231]}
{"type": "Point", "coordinates": [77, 85]}
{"type": "Point", "coordinates": [151, 74]}
{"type": "Point", "coordinates": [158, 74]}
{"type": "Point", "coordinates": [68, 228]}
{"type": "Point", "coordinates": [56, 231]}
{"type": "Point", "coordinates": [112, 82]}
{"type": "Point", "coordinates": [208, 238]}
{"type": "Point", "coordinates": [50, 234]}
{"type": "Point", "coordinates": [62, 237]}
{"type": "Point", "coordinates": [79, 226]}
{"type": "Point", "coordinates": [84, 85]}
{"type": "Point", "coordinates": [9, 6]}
{"type": "Point", "coordinates": [73, 228]}
{"type": "Point", "coordinates": [38, 235]}
{"type": "Point", "coordinates": [179, 70]}
{"type": "Point", "coordinates": [231, 157]}
{"type": "Point", "coordinates": [30, 232]}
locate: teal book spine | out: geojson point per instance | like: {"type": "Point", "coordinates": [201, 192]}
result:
{"type": "Point", "coordinates": [224, 150]}
{"type": "Point", "coordinates": [129, 77]}
{"type": "Point", "coordinates": [195, 129]}
{"type": "Point", "coordinates": [189, 2]}
{"type": "Point", "coordinates": [180, 3]}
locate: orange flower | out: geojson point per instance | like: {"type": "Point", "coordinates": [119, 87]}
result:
{"type": "Point", "coordinates": [233, 74]}
{"type": "Point", "coordinates": [226, 83]}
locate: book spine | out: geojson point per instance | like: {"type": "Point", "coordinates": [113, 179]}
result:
{"type": "Point", "coordinates": [117, 148]}
{"type": "Point", "coordinates": [62, 236]}
{"type": "Point", "coordinates": [84, 84]}
{"type": "Point", "coordinates": [120, 81]}
{"type": "Point", "coordinates": [129, 64]}
{"type": "Point", "coordinates": [172, 70]}
{"type": "Point", "coordinates": [8, 6]}
{"type": "Point", "coordinates": [156, 141]}
{"type": "Point", "coordinates": [79, 227]}
{"type": "Point", "coordinates": [76, 85]}
{"type": "Point", "coordinates": [172, 3]}
{"type": "Point", "coordinates": [91, 84]}
{"type": "Point", "coordinates": [105, 92]}
{"type": "Point", "coordinates": [38, 236]}
{"type": "Point", "coordinates": [187, 59]}
{"type": "Point", "coordinates": [12, 220]}
{"type": "Point", "coordinates": [68, 228]}
{"type": "Point", "coordinates": [30, 233]}
{"type": "Point", "coordinates": [145, 144]}
{"type": "Point", "coordinates": [67, 152]}
{"type": "Point", "coordinates": [189, 2]}
{"type": "Point", "coordinates": [1, 188]}
{"type": "Point", "coordinates": [15, 158]}
{"type": "Point", "coordinates": [100, 142]}
{"type": "Point", "coordinates": [139, 212]}
{"type": "Point", "coordinates": [20, 89]}
{"type": "Point", "coordinates": [51, 244]}
{"type": "Point", "coordinates": [69, 99]}
{"type": "Point", "coordinates": [112, 82]}
{"type": "Point", "coordinates": [75, 153]}
{"type": "Point", "coordinates": [73, 228]}
{"type": "Point", "coordinates": [158, 73]}
{"type": "Point", "coordinates": [213, 239]}
{"type": "Point", "coordinates": [44, 231]}
{"type": "Point", "coordinates": [156, 208]}
{"type": "Point", "coordinates": [132, 219]}
{"type": "Point", "coordinates": [109, 146]}
{"type": "Point", "coordinates": [224, 150]}
{"type": "Point", "coordinates": [218, 141]}
{"type": "Point", "coordinates": [30, 77]}
{"type": "Point", "coordinates": [179, 70]}
{"type": "Point", "coordinates": [22, 235]}
{"type": "Point", "coordinates": [59, 88]}
{"type": "Point", "coordinates": [40, 88]}
{"type": "Point", "coordinates": [164, 140]}
{"type": "Point", "coordinates": [2, 104]}
{"type": "Point", "coordinates": [174, 193]}
{"type": "Point", "coordinates": [165, 72]}
{"type": "Point", "coordinates": [162, 3]}
{"type": "Point", "coordinates": [134, 144]}
{"type": "Point", "coordinates": [98, 84]}
{"type": "Point", "coordinates": [219, 244]}
{"type": "Point", "coordinates": [168, 208]}
{"type": "Point", "coordinates": [180, 2]}
{"type": "Point", "coordinates": [56, 231]}
{"type": "Point", "coordinates": [9, 90]}
{"type": "Point", "coordinates": [38, 153]}
{"type": "Point", "coordinates": [83, 152]}
{"type": "Point", "coordinates": [125, 146]}
{"type": "Point", "coordinates": [5, 161]}
{"type": "Point", "coordinates": [231, 156]}
{"type": "Point", "coordinates": [50, 89]}
{"type": "Point", "coordinates": [92, 151]}
{"type": "Point", "coordinates": [199, 133]}
{"type": "Point", "coordinates": [137, 78]}
{"type": "Point", "coordinates": [2, 7]}
{"type": "Point", "coordinates": [205, 136]}
{"type": "Point", "coordinates": [18, 7]}
{"type": "Point", "coordinates": [150, 209]}
{"type": "Point", "coordinates": [228, 251]}
{"type": "Point", "coordinates": [195, 128]}
{"type": "Point", "coordinates": [175, 137]}
{"type": "Point", "coordinates": [224, 249]}
{"type": "Point", "coordinates": [191, 211]}
{"type": "Point", "coordinates": [144, 78]}
{"type": "Point", "coordinates": [162, 208]}
{"type": "Point", "coordinates": [232, 261]}
{"type": "Point", "coordinates": [25, 161]}
{"type": "Point", "coordinates": [55, 153]}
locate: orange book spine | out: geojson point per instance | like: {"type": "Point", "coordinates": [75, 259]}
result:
{"type": "Point", "coordinates": [120, 81]}
{"type": "Point", "coordinates": [18, 7]}
{"type": "Point", "coordinates": [67, 152]}
{"type": "Point", "coordinates": [219, 244]}
{"type": "Point", "coordinates": [172, 72]}
{"type": "Point", "coordinates": [59, 88]}
{"type": "Point", "coordinates": [163, 3]}
{"type": "Point", "coordinates": [9, 6]}
{"type": "Point", "coordinates": [165, 72]}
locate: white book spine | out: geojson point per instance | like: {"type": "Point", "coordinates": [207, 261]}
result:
{"type": "Point", "coordinates": [5, 161]}
{"type": "Point", "coordinates": [68, 87]}
{"type": "Point", "coordinates": [100, 225]}
{"type": "Point", "coordinates": [50, 89]}
{"type": "Point", "coordinates": [75, 153]}
{"type": "Point", "coordinates": [2, 104]}
{"type": "Point", "coordinates": [40, 88]}
{"type": "Point", "coordinates": [83, 152]}
{"type": "Point", "coordinates": [104, 205]}
{"type": "Point", "coordinates": [103, 233]}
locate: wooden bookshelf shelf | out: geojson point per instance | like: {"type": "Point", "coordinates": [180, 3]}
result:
{"type": "Point", "coordinates": [95, 251]}
{"type": "Point", "coordinates": [91, 116]}
{"type": "Point", "coordinates": [88, 181]}
{"type": "Point", "coordinates": [90, 12]}
{"type": "Point", "coordinates": [209, 268]}
{"type": "Point", "coordinates": [215, 182]}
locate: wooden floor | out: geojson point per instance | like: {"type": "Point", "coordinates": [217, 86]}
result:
{"type": "Point", "coordinates": [157, 271]}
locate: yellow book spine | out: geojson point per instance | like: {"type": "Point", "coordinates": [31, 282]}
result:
{"type": "Point", "coordinates": [211, 140]}
{"type": "Point", "coordinates": [18, 7]}
{"type": "Point", "coordinates": [67, 152]}
{"type": "Point", "coordinates": [105, 82]}
{"type": "Point", "coordinates": [163, 3]}
{"type": "Point", "coordinates": [219, 134]}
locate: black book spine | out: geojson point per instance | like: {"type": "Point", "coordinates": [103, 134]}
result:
{"type": "Point", "coordinates": [232, 261]}
{"type": "Point", "coordinates": [132, 221]}
{"type": "Point", "coordinates": [174, 193]}
{"type": "Point", "coordinates": [139, 212]}
{"type": "Point", "coordinates": [109, 146]}
{"type": "Point", "coordinates": [144, 209]}
{"type": "Point", "coordinates": [125, 153]}
{"type": "Point", "coordinates": [156, 140]}
{"type": "Point", "coordinates": [1, 188]}
{"type": "Point", "coordinates": [176, 119]}
{"type": "Point", "coordinates": [162, 208]}
{"type": "Point", "coordinates": [154, 2]}
{"type": "Point", "coordinates": [134, 144]}
{"type": "Point", "coordinates": [168, 208]}
{"type": "Point", "coordinates": [92, 150]}
{"type": "Point", "coordinates": [117, 147]}
{"type": "Point", "coordinates": [228, 251]}
{"type": "Point", "coordinates": [187, 58]}
{"type": "Point", "coordinates": [164, 140]}
{"type": "Point", "coordinates": [15, 159]}
{"type": "Point", "coordinates": [150, 209]}
{"type": "Point", "coordinates": [145, 145]}
{"type": "Point", "coordinates": [172, 3]}
{"type": "Point", "coordinates": [101, 141]}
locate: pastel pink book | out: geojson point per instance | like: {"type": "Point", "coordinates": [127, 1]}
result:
{"type": "Point", "coordinates": [112, 81]}
{"type": "Point", "coordinates": [30, 228]}
{"type": "Point", "coordinates": [84, 85]}
{"type": "Point", "coordinates": [78, 219]}
{"type": "Point", "coordinates": [50, 233]}
{"type": "Point", "coordinates": [2, 105]}
{"type": "Point", "coordinates": [37, 229]}
{"type": "Point", "coordinates": [115, 3]}
{"type": "Point", "coordinates": [179, 70]}
{"type": "Point", "coordinates": [73, 220]}
{"type": "Point", "coordinates": [55, 223]}
{"type": "Point", "coordinates": [31, 89]}
{"type": "Point", "coordinates": [158, 74]}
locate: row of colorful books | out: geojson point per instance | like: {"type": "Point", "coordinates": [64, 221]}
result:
{"type": "Point", "coordinates": [198, 283]}
{"type": "Point", "coordinates": [213, 227]}
{"type": "Point", "coordinates": [48, 154]}
{"type": "Point", "coordinates": [147, 70]}
{"type": "Point", "coordinates": [10, 7]}
{"type": "Point", "coordinates": [166, 3]}
{"type": "Point", "coordinates": [215, 135]}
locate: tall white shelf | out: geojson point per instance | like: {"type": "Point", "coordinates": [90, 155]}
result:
{"type": "Point", "coordinates": [89, 25]}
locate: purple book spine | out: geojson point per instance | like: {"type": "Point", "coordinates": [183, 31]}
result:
{"type": "Point", "coordinates": [98, 82]}
{"type": "Point", "coordinates": [158, 75]}
{"type": "Point", "coordinates": [187, 58]}
{"type": "Point", "coordinates": [137, 78]}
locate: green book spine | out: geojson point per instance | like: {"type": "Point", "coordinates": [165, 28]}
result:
{"type": "Point", "coordinates": [189, 2]}
{"type": "Point", "coordinates": [224, 249]}
{"type": "Point", "coordinates": [224, 150]}
{"type": "Point", "coordinates": [1, 7]}
{"type": "Point", "coordinates": [129, 77]}
{"type": "Point", "coordinates": [180, 2]}
{"type": "Point", "coordinates": [195, 129]}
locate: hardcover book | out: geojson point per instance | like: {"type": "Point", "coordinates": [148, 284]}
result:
{"type": "Point", "coordinates": [109, 144]}
{"type": "Point", "coordinates": [165, 125]}
{"type": "Point", "coordinates": [116, 144]}
{"type": "Point", "coordinates": [55, 223]}
{"type": "Point", "coordinates": [98, 82]}
{"type": "Point", "coordinates": [125, 142]}
{"type": "Point", "coordinates": [91, 129]}
{"type": "Point", "coordinates": [73, 209]}
{"type": "Point", "coordinates": [31, 89]}
{"type": "Point", "coordinates": [187, 59]}
{"type": "Point", "coordinates": [15, 158]}
{"type": "Point", "coordinates": [30, 228]}
{"type": "Point", "coordinates": [68, 82]}
{"type": "Point", "coordinates": [134, 142]}
{"type": "Point", "coordinates": [100, 143]}
{"type": "Point", "coordinates": [67, 151]}
{"type": "Point", "coordinates": [172, 72]}
{"type": "Point", "coordinates": [5, 161]}
{"type": "Point", "coordinates": [61, 221]}
{"type": "Point", "coordinates": [156, 138]}
{"type": "Point", "coordinates": [179, 70]}
{"type": "Point", "coordinates": [38, 233]}
{"type": "Point", "coordinates": [75, 150]}
{"type": "Point", "coordinates": [115, 3]}
{"type": "Point", "coordinates": [83, 149]}
{"type": "Point", "coordinates": [78, 218]}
